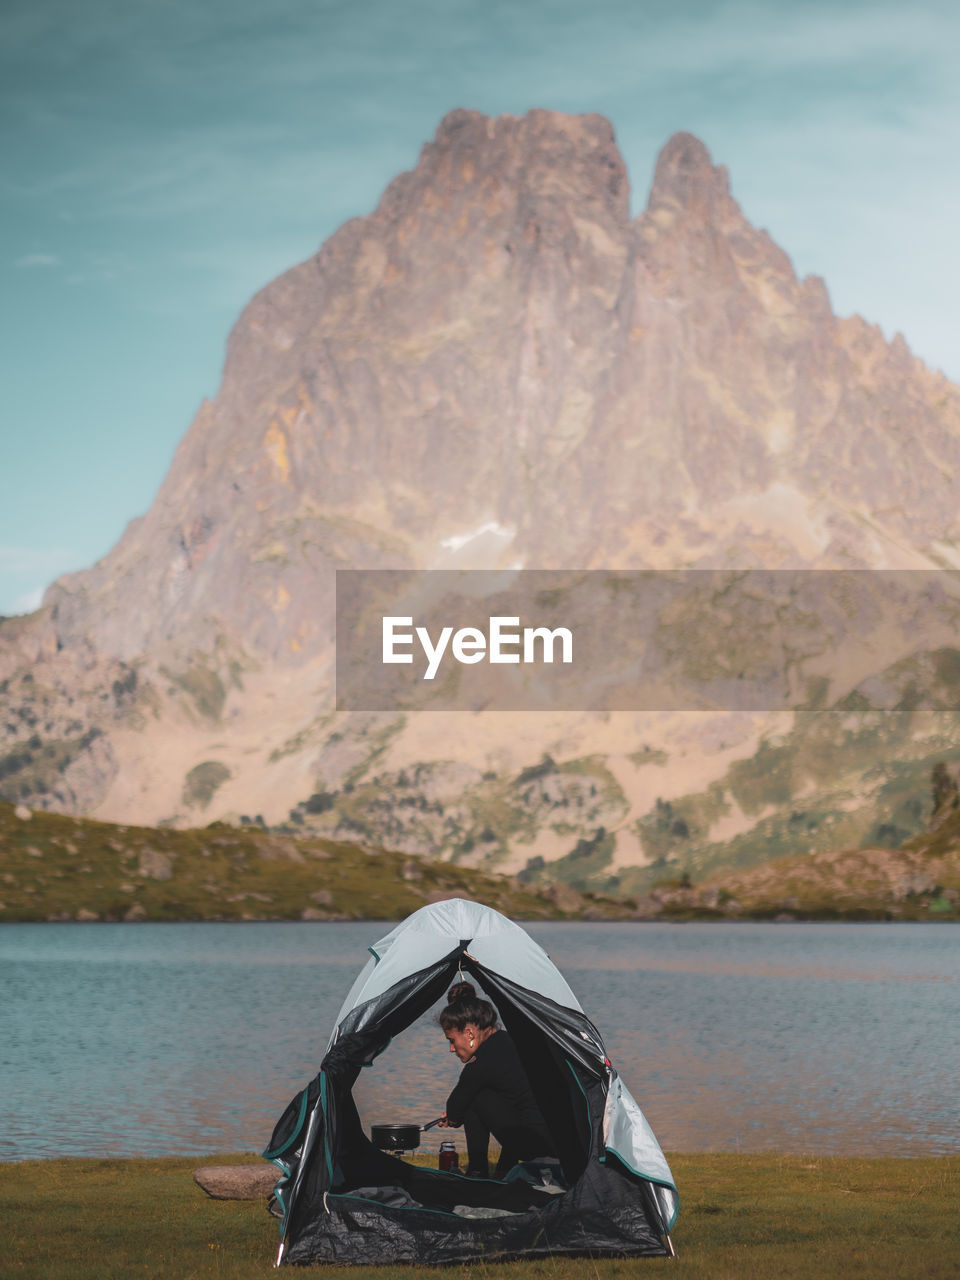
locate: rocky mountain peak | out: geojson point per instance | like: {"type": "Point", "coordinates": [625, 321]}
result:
{"type": "Point", "coordinates": [543, 153]}
{"type": "Point", "coordinates": [507, 181]}
{"type": "Point", "coordinates": [686, 178]}
{"type": "Point", "coordinates": [497, 343]}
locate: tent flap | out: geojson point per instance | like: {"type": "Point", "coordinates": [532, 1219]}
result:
{"type": "Point", "coordinates": [628, 1135]}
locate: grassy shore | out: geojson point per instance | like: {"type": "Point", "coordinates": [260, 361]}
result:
{"type": "Point", "coordinates": [763, 1216]}
{"type": "Point", "coordinates": [54, 867]}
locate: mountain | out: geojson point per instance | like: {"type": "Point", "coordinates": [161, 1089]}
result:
{"type": "Point", "coordinates": [920, 881]}
{"type": "Point", "coordinates": [500, 367]}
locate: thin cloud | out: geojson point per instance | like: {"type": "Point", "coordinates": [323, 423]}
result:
{"type": "Point", "coordinates": [31, 559]}
{"type": "Point", "coordinates": [37, 562]}
{"type": "Point", "coordinates": [37, 260]}
{"type": "Point", "coordinates": [28, 571]}
{"type": "Point", "coordinates": [29, 602]}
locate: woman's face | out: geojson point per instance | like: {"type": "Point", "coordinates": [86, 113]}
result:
{"type": "Point", "coordinates": [463, 1043]}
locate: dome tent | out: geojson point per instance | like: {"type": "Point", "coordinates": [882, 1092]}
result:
{"type": "Point", "coordinates": [344, 1201]}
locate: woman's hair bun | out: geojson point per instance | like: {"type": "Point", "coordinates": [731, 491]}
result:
{"type": "Point", "coordinates": [461, 991]}
{"type": "Point", "coordinates": [464, 1008]}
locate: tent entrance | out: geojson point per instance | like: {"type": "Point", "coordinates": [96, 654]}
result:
{"type": "Point", "coordinates": [560, 1085]}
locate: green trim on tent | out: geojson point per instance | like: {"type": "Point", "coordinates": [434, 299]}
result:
{"type": "Point", "coordinates": [326, 1128]}
{"type": "Point", "coordinates": [654, 1182]}
{"type": "Point", "coordinates": [268, 1154]}
{"type": "Point", "coordinates": [585, 1098]}
{"type": "Point", "coordinates": [278, 1196]}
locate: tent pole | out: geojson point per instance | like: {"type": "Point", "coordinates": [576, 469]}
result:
{"type": "Point", "coordinates": [673, 1252]}
{"type": "Point", "coordinates": [283, 1245]}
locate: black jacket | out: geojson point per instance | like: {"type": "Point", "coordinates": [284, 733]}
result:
{"type": "Point", "coordinates": [496, 1066]}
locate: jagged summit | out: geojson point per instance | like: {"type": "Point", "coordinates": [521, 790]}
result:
{"type": "Point", "coordinates": [507, 165]}
{"type": "Point", "coordinates": [686, 176]}
{"type": "Point", "coordinates": [535, 131]}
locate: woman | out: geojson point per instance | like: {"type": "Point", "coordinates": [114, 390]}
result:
{"type": "Point", "coordinates": [493, 1095]}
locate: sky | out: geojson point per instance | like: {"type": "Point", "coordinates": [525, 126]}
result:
{"type": "Point", "coordinates": [160, 162]}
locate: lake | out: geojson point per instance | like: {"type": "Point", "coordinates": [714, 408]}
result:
{"type": "Point", "coordinates": [154, 1039]}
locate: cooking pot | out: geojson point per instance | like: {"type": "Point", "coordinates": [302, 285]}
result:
{"type": "Point", "coordinates": [399, 1137]}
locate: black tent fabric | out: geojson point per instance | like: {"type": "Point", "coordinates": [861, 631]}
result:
{"type": "Point", "coordinates": [342, 1200]}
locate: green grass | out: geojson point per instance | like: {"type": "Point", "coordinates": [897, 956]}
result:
{"type": "Point", "coordinates": [853, 773]}
{"type": "Point", "coordinates": [202, 782]}
{"type": "Point", "coordinates": [39, 764]}
{"type": "Point", "coordinates": [202, 685]}
{"type": "Point", "coordinates": [53, 866]}
{"type": "Point", "coordinates": [768, 1216]}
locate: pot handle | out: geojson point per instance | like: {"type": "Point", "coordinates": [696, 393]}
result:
{"type": "Point", "coordinates": [425, 1127]}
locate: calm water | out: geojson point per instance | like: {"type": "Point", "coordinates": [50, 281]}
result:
{"type": "Point", "coordinates": [160, 1039]}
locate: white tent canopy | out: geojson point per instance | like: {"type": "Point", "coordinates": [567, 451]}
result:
{"type": "Point", "coordinates": [424, 938]}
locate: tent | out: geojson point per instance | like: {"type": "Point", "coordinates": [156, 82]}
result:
{"type": "Point", "coordinates": [343, 1200]}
